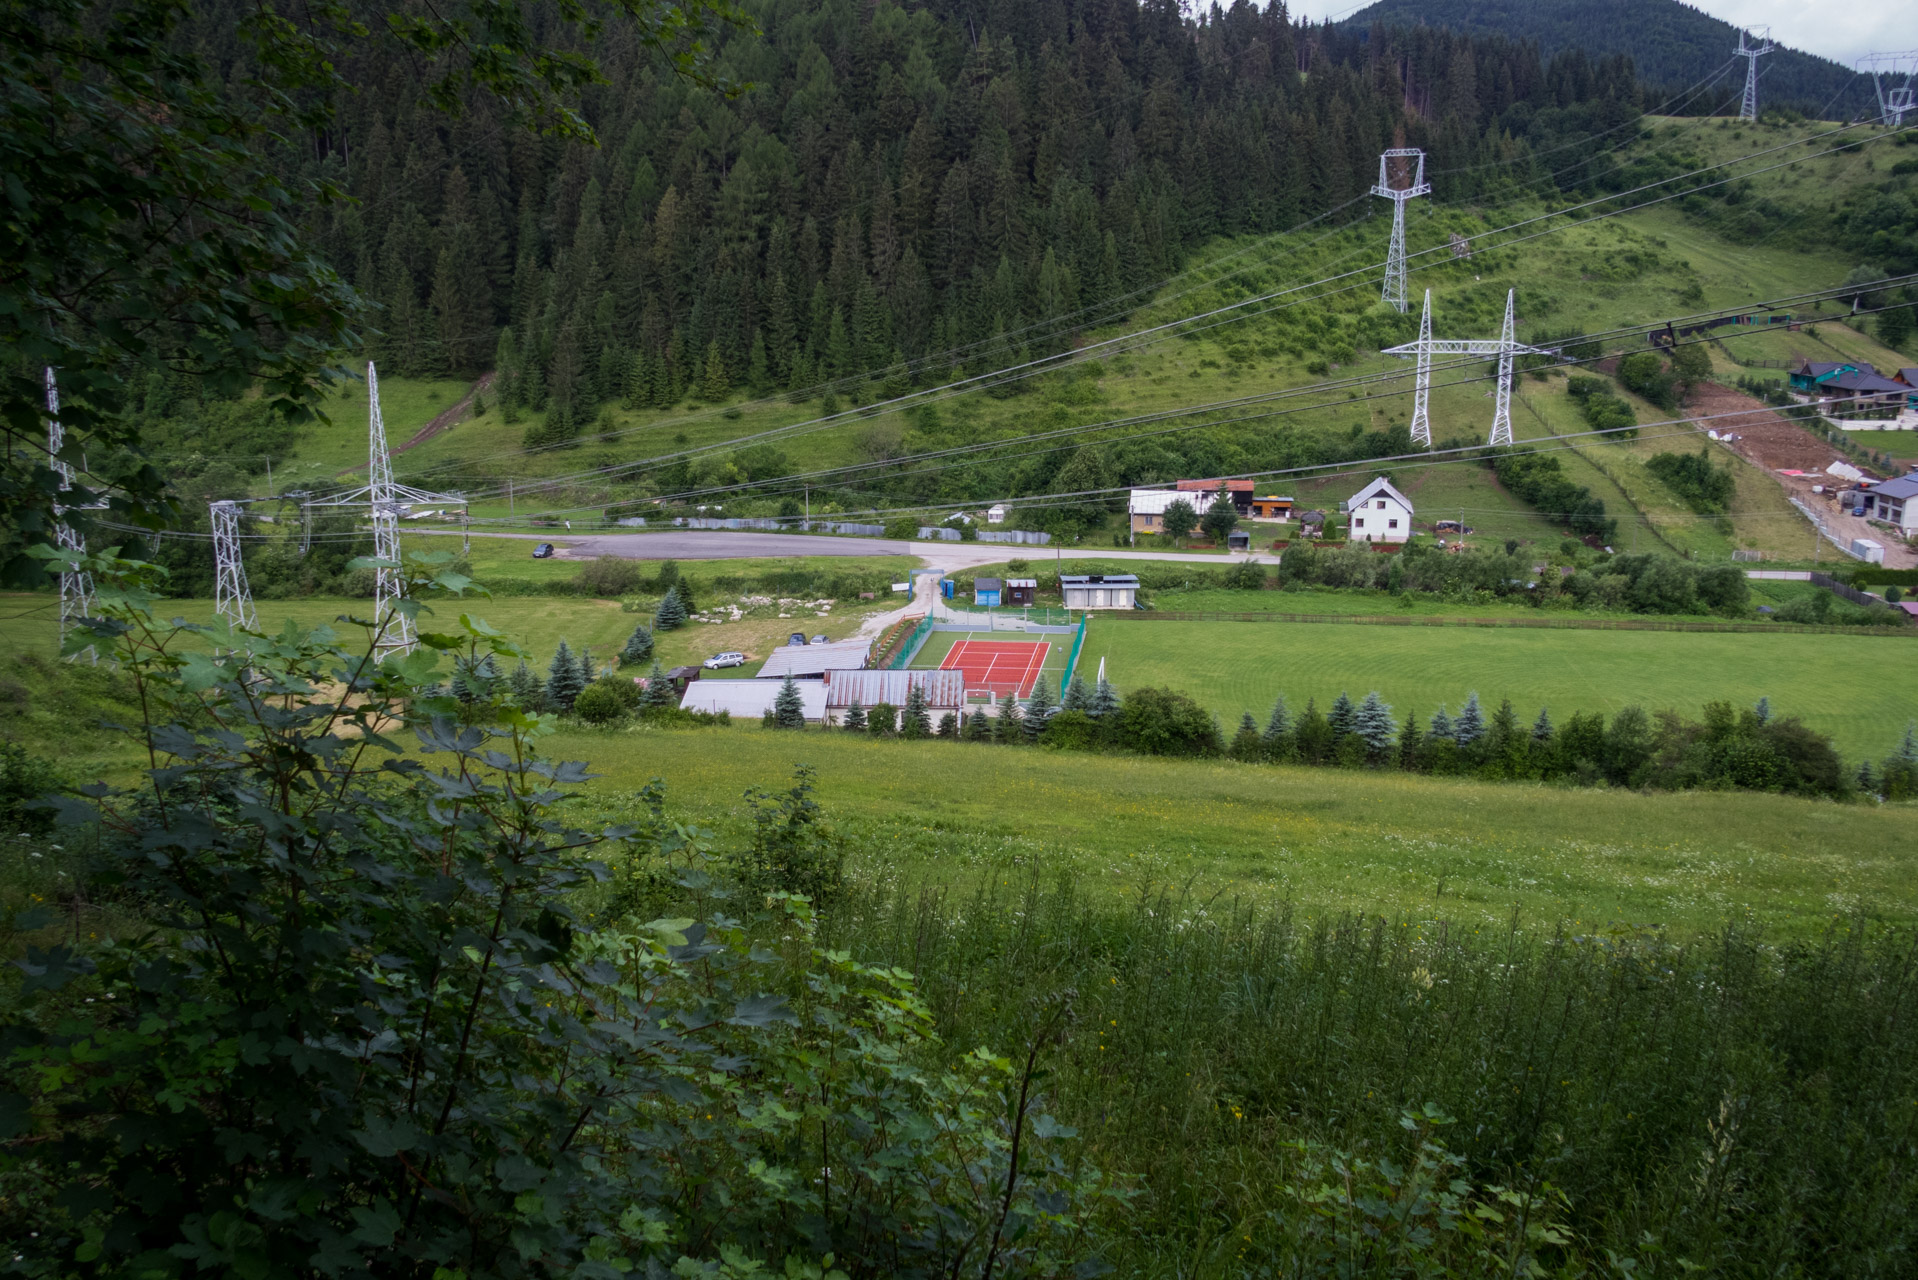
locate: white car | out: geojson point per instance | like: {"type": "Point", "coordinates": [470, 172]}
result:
{"type": "Point", "coordinates": [719, 660]}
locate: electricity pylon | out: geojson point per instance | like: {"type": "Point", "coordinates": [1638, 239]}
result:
{"type": "Point", "coordinates": [232, 598]}
{"type": "Point", "coordinates": [1751, 48]}
{"type": "Point", "coordinates": [76, 585]}
{"type": "Point", "coordinates": [1895, 100]}
{"type": "Point", "coordinates": [1506, 348]}
{"type": "Point", "coordinates": [1413, 160]}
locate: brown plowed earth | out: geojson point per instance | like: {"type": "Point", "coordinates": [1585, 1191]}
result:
{"type": "Point", "coordinates": [1774, 443]}
{"type": "Point", "coordinates": [442, 422]}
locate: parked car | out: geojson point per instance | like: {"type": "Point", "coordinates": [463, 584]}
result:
{"type": "Point", "coordinates": [820, 640]}
{"type": "Point", "coordinates": [719, 660]}
{"type": "Point", "coordinates": [544, 551]}
{"type": "Point", "coordinates": [797, 637]}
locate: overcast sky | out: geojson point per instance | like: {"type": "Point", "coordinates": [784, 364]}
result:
{"type": "Point", "coordinates": [1816, 26]}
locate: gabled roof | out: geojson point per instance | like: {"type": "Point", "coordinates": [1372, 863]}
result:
{"type": "Point", "coordinates": [1908, 376]}
{"type": "Point", "coordinates": [1212, 486]}
{"type": "Point", "coordinates": [985, 584]}
{"type": "Point", "coordinates": [1153, 502]}
{"type": "Point", "coordinates": [1902, 487]}
{"type": "Point", "coordinates": [1865, 383]}
{"type": "Point", "coordinates": [1380, 486]}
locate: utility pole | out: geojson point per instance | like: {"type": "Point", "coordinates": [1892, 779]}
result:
{"type": "Point", "coordinates": [1401, 178]}
{"type": "Point", "coordinates": [232, 598]}
{"type": "Point", "coordinates": [1751, 49]}
{"type": "Point", "coordinates": [1506, 348]}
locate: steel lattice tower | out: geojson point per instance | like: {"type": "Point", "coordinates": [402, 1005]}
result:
{"type": "Point", "coordinates": [396, 628]}
{"type": "Point", "coordinates": [1412, 159]}
{"type": "Point", "coordinates": [1751, 52]}
{"type": "Point", "coordinates": [1506, 348]}
{"type": "Point", "coordinates": [232, 598]}
{"type": "Point", "coordinates": [1895, 101]}
{"type": "Point", "coordinates": [76, 586]}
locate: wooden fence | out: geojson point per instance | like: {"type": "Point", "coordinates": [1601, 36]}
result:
{"type": "Point", "coordinates": [1537, 624]}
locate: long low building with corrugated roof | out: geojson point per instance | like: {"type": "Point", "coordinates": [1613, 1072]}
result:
{"type": "Point", "coordinates": [751, 699]}
{"type": "Point", "coordinates": [813, 661]}
{"type": "Point", "coordinates": [945, 690]}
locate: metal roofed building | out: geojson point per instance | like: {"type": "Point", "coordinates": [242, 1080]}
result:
{"type": "Point", "coordinates": [1895, 502]}
{"type": "Point", "coordinates": [813, 661]}
{"type": "Point", "coordinates": [986, 592]}
{"type": "Point", "coordinates": [945, 690]}
{"type": "Point", "coordinates": [1100, 590]}
{"type": "Point", "coordinates": [750, 699]}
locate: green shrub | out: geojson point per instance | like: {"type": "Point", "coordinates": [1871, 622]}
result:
{"type": "Point", "coordinates": [599, 703]}
{"type": "Point", "coordinates": [608, 576]}
{"type": "Point", "coordinates": [24, 779]}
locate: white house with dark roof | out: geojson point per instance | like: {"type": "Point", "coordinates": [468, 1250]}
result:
{"type": "Point", "coordinates": [1895, 502]}
{"type": "Point", "coordinates": [1378, 513]}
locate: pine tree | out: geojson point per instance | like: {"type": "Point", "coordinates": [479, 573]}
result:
{"type": "Point", "coordinates": [671, 614]}
{"type": "Point", "coordinates": [855, 721]}
{"type": "Point", "coordinates": [527, 692]}
{"type": "Point", "coordinates": [1763, 711]}
{"type": "Point", "coordinates": [1008, 726]}
{"type": "Point", "coordinates": [713, 385]}
{"type": "Point", "coordinates": [563, 679]}
{"type": "Point", "coordinates": [1471, 722]}
{"type": "Point", "coordinates": [1246, 743]}
{"type": "Point", "coordinates": [1105, 701]}
{"type": "Point", "coordinates": [1411, 743]}
{"type": "Point", "coordinates": [1343, 717]}
{"type": "Point", "coordinates": [916, 721]}
{"type": "Point", "coordinates": [639, 646]}
{"type": "Point", "coordinates": [1374, 725]}
{"type": "Point", "coordinates": [789, 709]}
{"type": "Point", "coordinates": [1039, 709]}
{"type": "Point", "coordinates": [658, 691]}
{"type": "Point", "coordinates": [1078, 697]}
{"type": "Point", "coordinates": [949, 726]}
{"type": "Point", "coordinates": [978, 727]}
{"type": "Point", "coordinates": [1542, 727]}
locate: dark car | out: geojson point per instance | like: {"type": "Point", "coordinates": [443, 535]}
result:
{"type": "Point", "coordinates": [797, 637]}
{"type": "Point", "coordinates": [544, 551]}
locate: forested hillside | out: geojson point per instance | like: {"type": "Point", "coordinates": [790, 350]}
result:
{"type": "Point", "coordinates": [944, 184]}
{"type": "Point", "coordinates": [1673, 45]}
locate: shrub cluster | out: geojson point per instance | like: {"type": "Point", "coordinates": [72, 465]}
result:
{"type": "Point", "coordinates": [1540, 480]}
{"type": "Point", "coordinates": [1602, 410]}
{"type": "Point", "coordinates": [1706, 489]}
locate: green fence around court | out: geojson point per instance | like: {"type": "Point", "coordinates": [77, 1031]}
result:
{"type": "Point", "coordinates": [1542, 624]}
{"type": "Point", "coordinates": [1072, 659]}
{"type": "Point", "coordinates": [913, 644]}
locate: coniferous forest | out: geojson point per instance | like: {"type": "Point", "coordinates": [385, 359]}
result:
{"type": "Point", "coordinates": [898, 191]}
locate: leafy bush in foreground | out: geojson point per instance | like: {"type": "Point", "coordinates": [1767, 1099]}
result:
{"type": "Point", "coordinates": [363, 1027]}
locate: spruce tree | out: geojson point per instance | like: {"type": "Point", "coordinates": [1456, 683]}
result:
{"type": "Point", "coordinates": [1470, 726]}
{"type": "Point", "coordinates": [1411, 743]}
{"type": "Point", "coordinates": [563, 679]}
{"type": "Point", "coordinates": [671, 614]}
{"type": "Point", "coordinates": [916, 721]}
{"type": "Point", "coordinates": [978, 727]}
{"type": "Point", "coordinates": [658, 691]}
{"type": "Point", "coordinates": [1542, 727]}
{"type": "Point", "coordinates": [528, 695]}
{"type": "Point", "coordinates": [586, 672]}
{"type": "Point", "coordinates": [712, 383]}
{"type": "Point", "coordinates": [1105, 701]}
{"type": "Point", "coordinates": [1374, 725]}
{"type": "Point", "coordinates": [1008, 725]}
{"type": "Point", "coordinates": [1078, 697]}
{"type": "Point", "coordinates": [1246, 743]}
{"type": "Point", "coordinates": [639, 646]}
{"type": "Point", "coordinates": [789, 709]}
{"type": "Point", "coordinates": [1441, 723]}
{"type": "Point", "coordinates": [1343, 717]}
{"type": "Point", "coordinates": [855, 721]}
{"type": "Point", "coordinates": [1763, 710]}
{"type": "Point", "coordinates": [949, 725]}
{"type": "Point", "coordinates": [1039, 709]}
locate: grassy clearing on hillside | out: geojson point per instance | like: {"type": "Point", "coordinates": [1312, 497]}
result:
{"type": "Point", "coordinates": [1233, 667]}
{"type": "Point", "coordinates": [960, 814]}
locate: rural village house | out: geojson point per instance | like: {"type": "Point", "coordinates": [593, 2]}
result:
{"type": "Point", "coordinates": [1379, 513]}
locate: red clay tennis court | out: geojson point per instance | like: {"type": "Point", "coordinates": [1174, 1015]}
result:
{"type": "Point", "coordinates": [995, 666]}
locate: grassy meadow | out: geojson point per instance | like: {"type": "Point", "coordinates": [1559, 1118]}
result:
{"type": "Point", "coordinates": [1837, 684]}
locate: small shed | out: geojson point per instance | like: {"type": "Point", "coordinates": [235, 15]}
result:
{"type": "Point", "coordinates": [1238, 540]}
{"type": "Point", "coordinates": [986, 592]}
{"type": "Point", "coordinates": [751, 699]}
{"type": "Point", "coordinates": [1312, 523]}
{"type": "Point", "coordinates": [1100, 590]}
{"type": "Point", "coordinates": [1021, 590]}
{"type": "Point", "coordinates": [996, 513]}
{"type": "Point", "coordinates": [1271, 507]}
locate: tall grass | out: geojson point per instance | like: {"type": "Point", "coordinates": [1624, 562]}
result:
{"type": "Point", "coordinates": [1748, 1107]}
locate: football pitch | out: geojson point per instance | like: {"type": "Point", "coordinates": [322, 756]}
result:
{"type": "Point", "coordinates": [1837, 684]}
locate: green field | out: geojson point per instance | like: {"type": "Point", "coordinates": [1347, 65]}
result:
{"type": "Point", "coordinates": [1837, 684]}
{"type": "Point", "coordinates": [1326, 840]}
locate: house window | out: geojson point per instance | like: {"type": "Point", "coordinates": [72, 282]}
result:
{"type": "Point", "coordinates": [1359, 523]}
{"type": "Point", "coordinates": [1392, 524]}
{"type": "Point", "coordinates": [1381, 504]}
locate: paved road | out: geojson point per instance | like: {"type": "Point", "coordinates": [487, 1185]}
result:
{"type": "Point", "coordinates": [715, 544]}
